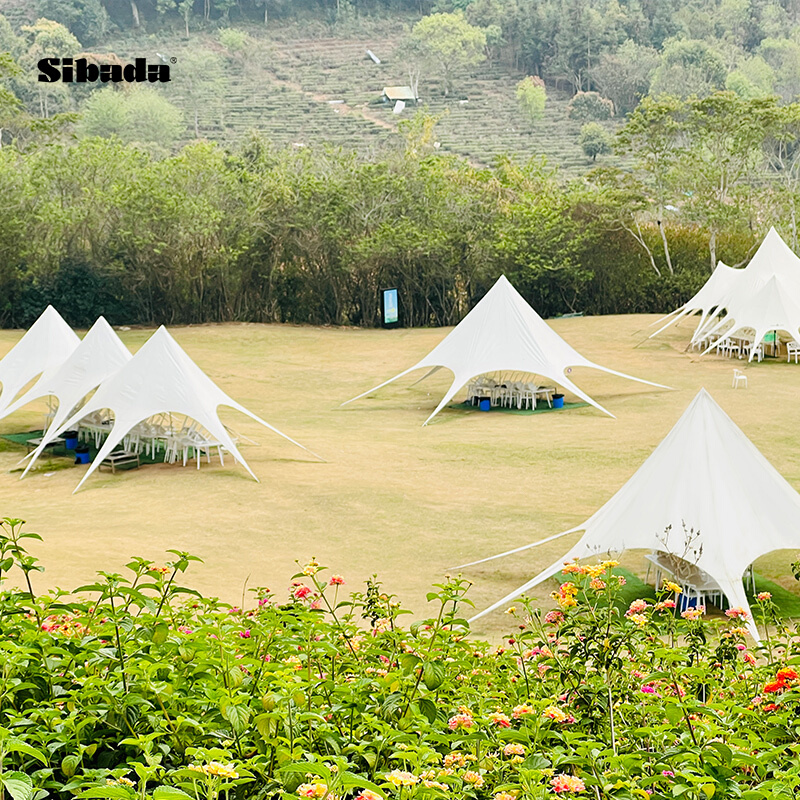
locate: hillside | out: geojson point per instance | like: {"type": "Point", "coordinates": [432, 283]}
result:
{"type": "Point", "coordinates": [304, 90]}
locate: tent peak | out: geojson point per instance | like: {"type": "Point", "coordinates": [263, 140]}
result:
{"type": "Point", "coordinates": [503, 332]}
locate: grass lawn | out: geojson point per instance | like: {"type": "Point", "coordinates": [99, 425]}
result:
{"type": "Point", "coordinates": [393, 498]}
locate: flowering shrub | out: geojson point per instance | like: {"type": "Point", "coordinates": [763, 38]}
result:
{"type": "Point", "coordinates": [135, 686]}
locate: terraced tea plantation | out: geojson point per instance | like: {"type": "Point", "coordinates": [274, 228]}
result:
{"type": "Point", "coordinates": [299, 90]}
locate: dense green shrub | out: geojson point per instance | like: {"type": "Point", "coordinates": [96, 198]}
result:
{"type": "Point", "coordinates": [136, 686]}
{"type": "Point", "coordinates": [590, 107]}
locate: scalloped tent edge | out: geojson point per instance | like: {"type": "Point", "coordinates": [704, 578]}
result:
{"type": "Point", "coordinates": [100, 354]}
{"type": "Point", "coordinates": [46, 344]}
{"type": "Point", "coordinates": [705, 475]}
{"type": "Point", "coordinates": [160, 379]}
{"type": "Point", "coordinates": [503, 332]}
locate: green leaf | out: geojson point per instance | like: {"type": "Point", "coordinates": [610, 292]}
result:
{"type": "Point", "coordinates": [673, 713]}
{"type": "Point", "coordinates": [69, 764]}
{"type": "Point", "coordinates": [238, 716]}
{"type": "Point", "coordinates": [428, 709]}
{"type": "Point", "coordinates": [432, 675]}
{"type": "Point", "coordinates": [167, 792]}
{"type": "Point", "coordinates": [14, 745]}
{"type": "Point", "coordinates": [18, 785]}
{"type": "Point", "coordinates": [160, 633]}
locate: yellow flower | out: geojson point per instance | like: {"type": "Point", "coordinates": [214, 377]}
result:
{"type": "Point", "coordinates": [399, 778]}
{"type": "Point", "coordinates": [669, 586]}
{"type": "Point", "coordinates": [474, 778]}
{"type": "Point", "coordinates": [316, 789]}
{"type": "Point", "coordinates": [554, 713]}
{"type": "Point", "coordinates": [217, 769]}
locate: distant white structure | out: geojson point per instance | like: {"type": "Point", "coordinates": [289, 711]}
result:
{"type": "Point", "coordinates": [391, 94]}
{"type": "Point", "coordinates": [47, 343]}
{"type": "Point", "coordinates": [503, 332]}
{"type": "Point", "coordinates": [750, 302]}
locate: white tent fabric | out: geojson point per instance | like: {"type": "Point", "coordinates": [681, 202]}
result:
{"type": "Point", "coordinates": [762, 297]}
{"type": "Point", "coordinates": [707, 300]}
{"type": "Point", "coordinates": [773, 307]}
{"type": "Point", "coordinates": [45, 344]}
{"type": "Point", "coordinates": [503, 333]}
{"type": "Point", "coordinates": [705, 475]}
{"type": "Point", "coordinates": [100, 354]}
{"type": "Point", "coordinates": [161, 379]}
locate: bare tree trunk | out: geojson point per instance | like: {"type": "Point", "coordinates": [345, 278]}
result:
{"type": "Point", "coordinates": [196, 128]}
{"type": "Point", "coordinates": [666, 246]}
{"type": "Point", "coordinates": [712, 247]}
{"type": "Point", "coordinates": [135, 13]}
{"type": "Point", "coordinates": [637, 235]}
{"type": "Point", "coordinates": [794, 228]}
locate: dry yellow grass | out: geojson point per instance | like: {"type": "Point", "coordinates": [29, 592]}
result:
{"type": "Point", "coordinates": [393, 498]}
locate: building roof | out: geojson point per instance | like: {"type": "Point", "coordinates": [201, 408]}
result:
{"type": "Point", "coordinates": [399, 93]}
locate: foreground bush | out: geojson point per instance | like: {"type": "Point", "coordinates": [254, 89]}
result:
{"type": "Point", "coordinates": [141, 688]}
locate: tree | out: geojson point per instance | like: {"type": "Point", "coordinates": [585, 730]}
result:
{"type": "Point", "coordinates": [753, 77]}
{"type": "Point", "coordinates": [48, 37]}
{"type": "Point", "coordinates": [594, 139]}
{"type": "Point", "coordinates": [721, 155]}
{"type": "Point", "coordinates": [200, 84]}
{"type": "Point", "coordinates": [105, 114]}
{"type": "Point", "coordinates": [782, 152]}
{"type": "Point", "coordinates": [86, 19]}
{"type": "Point", "coordinates": [11, 109]}
{"type": "Point", "coordinates": [447, 44]}
{"type": "Point", "coordinates": [531, 97]}
{"type": "Point", "coordinates": [783, 55]}
{"type": "Point", "coordinates": [624, 76]}
{"type": "Point", "coordinates": [652, 136]}
{"type": "Point", "coordinates": [140, 115]}
{"type": "Point", "coordinates": [589, 106]}
{"type": "Point", "coordinates": [688, 67]}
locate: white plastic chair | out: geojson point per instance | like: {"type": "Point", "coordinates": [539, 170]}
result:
{"type": "Point", "coordinates": [527, 396]}
{"type": "Point", "coordinates": [739, 378]}
{"type": "Point", "coordinates": [792, 349]}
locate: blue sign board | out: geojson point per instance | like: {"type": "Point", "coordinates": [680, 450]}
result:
{"type": "Point", "coordinates": [390, 312]}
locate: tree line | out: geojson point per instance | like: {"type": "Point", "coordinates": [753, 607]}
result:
{"type": "Point", "coordinates": [311, 234]}
{"type": "Point", "coordinates": [624, 49]}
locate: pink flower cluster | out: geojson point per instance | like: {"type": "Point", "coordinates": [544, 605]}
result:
{"type": "Point", "coordinates": [567, 784]}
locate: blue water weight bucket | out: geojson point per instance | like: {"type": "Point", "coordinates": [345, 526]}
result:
{"type": "Point", "coordinates": [485, 404]}
{"type": "Point", "coordinates": [558, 401]}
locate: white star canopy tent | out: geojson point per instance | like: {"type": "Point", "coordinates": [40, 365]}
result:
{"type": "Point", "coordinates": [762, 297]}
{"type": "Point", "coordinates": [705, 475]}
{"type": "Point", "coordinates": [100, 354]}
{"type": "Point", "coordinates": [503, 333]}
{"type": "Point", "coordinates": [162, 379]}
{"type": "Point", "coordinates": [45, 344]}
{"type": "Point", "coordinates": [708, 299]}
